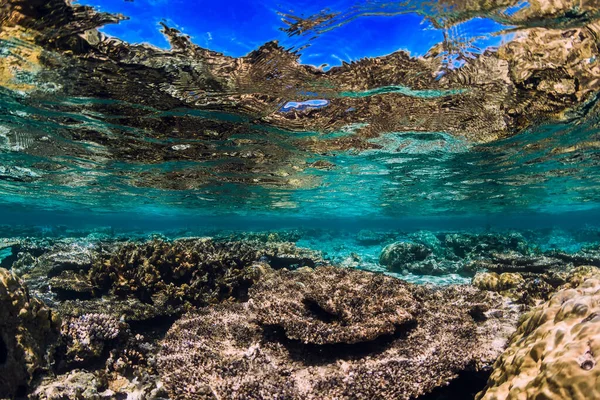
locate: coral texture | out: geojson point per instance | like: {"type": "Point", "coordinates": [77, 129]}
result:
{"type": "Point", "coordinates": [555, 352]}
{"type": "Point", "coordinates": [28, 330]}
{"type": "Point", "coordinates": [531, 288]}
{"type": "Point", "coordinates": [334, 308]}
{"type": "Point", "coordinates": [318, 335]}
{"type": "Point", "coordinates": [87, 336]}
{"type": "Point", "coordinates": [189, 272]}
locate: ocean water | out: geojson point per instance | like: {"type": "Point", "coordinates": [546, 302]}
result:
{"type": "Point", "coordinates": [427, 141]}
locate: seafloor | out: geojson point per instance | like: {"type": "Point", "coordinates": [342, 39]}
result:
{"type": "Point", "coordinates": [299, 314]}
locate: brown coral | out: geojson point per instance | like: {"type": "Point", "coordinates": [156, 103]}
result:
{"type": "Point", "coordinates": [555, 351]}
{"type": "Point", "coordinates": [250, 351]}
{"type": "Point", "coordinates": [181, 272]}
{"type": "Point", "coordinates": [28, 331]}
{"type": "Point", "coordinates": [333, 308]}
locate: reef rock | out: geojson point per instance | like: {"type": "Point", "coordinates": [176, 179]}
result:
{"type": "Point", "coordinates": [466, 245]}
{"type": "Point", "coordinates": [516, 262]}
{"type": "Point", "coordinates": [333, 334]}
{"type": "Point", "coordinates": [555, 352]}
{"type": "Point", "coordinates": [76, 384]}
{"type": "Point", "coordinates": [28, 331]}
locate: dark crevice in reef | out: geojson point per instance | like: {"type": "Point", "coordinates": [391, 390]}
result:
{"type": "Point", "coordinates": [319, 313]}
{"type": "Point", "coordinates": [3, 351]}
{"type": "Point", "coordinates": [464, 387]}
{"type": "Point", "coordinates": [322, 354]}
{"type": "Point", "coordinates": [478, 313]}
{"type": "Point", "coordinates": [155, 327]}
{"type": "Point", "coordinates": [290, 263]}
{"type": "Point", "coordinates": [64, 294]}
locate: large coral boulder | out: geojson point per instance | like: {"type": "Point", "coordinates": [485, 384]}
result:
{"type": "Point", "coordinates": [28, 330]}
{"type": "Point", "coordinates": [333, 334]}
{"type": "Point", "coordinates": [334, 308]}
{"type": "Point", "coordinates": [555, 352]}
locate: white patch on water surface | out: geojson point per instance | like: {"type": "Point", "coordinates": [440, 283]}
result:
{"type": "Point", "coordinates": [285, 204]}
{"type": "Point", "coordinates": [14, 141]}
{"type": "Point", "coordinates": [17, 172]}
{"type": "Point", "coordinates": [346, 130]}
{"type": "Point", "coordinates": [178, 147]}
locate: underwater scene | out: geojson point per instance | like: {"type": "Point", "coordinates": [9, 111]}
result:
{"type": "Point", "coordinates": [289, 200]}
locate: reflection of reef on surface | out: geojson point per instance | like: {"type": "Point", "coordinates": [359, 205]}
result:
{"type": "Point", "coordinates": [201, 119]}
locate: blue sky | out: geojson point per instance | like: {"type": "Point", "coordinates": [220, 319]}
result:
{"type": "Point", "coordinates": [237, 27]}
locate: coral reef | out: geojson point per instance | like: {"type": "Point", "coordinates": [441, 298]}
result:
{"type": "Point", "coordinates": [555, 351]}
{"type": "Point", "coordinates": [278, 344]}
{"type": "Point", "coordinates": [28, 331]}
{"type": "Point", "coordinates": [444, 253]}
{"type": "Point", "coordinates": [330, 307]}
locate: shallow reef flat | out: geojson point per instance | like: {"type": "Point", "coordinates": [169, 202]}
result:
{"type": "Point", "coordinates": [260, 315]}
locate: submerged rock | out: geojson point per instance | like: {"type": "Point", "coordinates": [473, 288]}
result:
{"type": "Point", "coordinates": [397, 255]}
{"type": "Point", "coordinates": [28, 332]}
{"type": "Point", "coordinates": [329, 334]}
{"type": "Point", "coordinates": [515, 262]}
{"type": "Point", "coordinates": [466, 245]}
{"type": "Point", "coordinates": [555, 351]}
{"type": "Point", "coordinates": [80, 385]}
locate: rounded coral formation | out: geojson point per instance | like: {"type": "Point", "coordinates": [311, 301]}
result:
{"type": "Point", "coordinates": [555, 352]}
{"type": "Point", "coordinates": [333, 308]}
{"type": "Point", "coordinates": [419, 339]}
{"type": "Point", "coordinates": [28, 330]}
